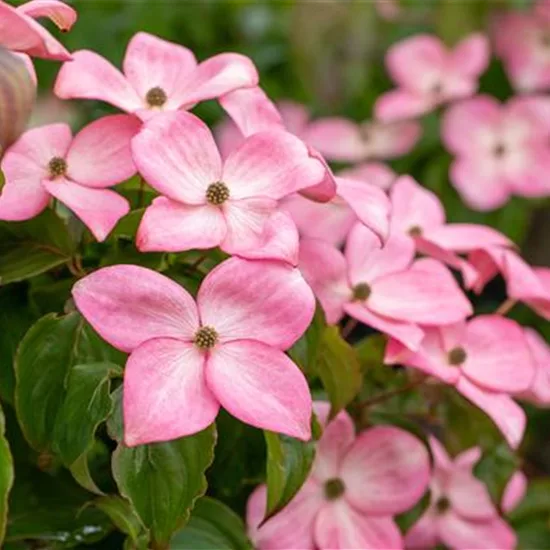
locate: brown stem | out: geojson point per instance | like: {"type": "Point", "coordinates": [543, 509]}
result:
{"type": "Point", "coordinates": [348, 328]}
{"type": "Point", "coordinates": [195, 265]}
{"type": "Point", "coordinates": [505, 307]}
{"type": "Point", "coordinates": [380, 398]}
{"type": "Point", "coordinates": [75, 267]}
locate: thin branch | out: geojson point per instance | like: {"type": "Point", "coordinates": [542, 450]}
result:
{"type": "Point", "coordinates": [348, 328]}
{"type": "Point", "coordinates": [380, 398]}
{"type": "Point", "coordinates": [505, 307]}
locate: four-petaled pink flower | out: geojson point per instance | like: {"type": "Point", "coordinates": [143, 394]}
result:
{"type": "Point", "coordinates": [500, 150]}
{"type": "Point", "coordinates": [48, 162]}
{"type": "Point", "coordinates": [381, 286]}
{"type": "Point", "coordinates": [20, 32]}
{"type": "Point", "coordinates": [461, 514]}
{"type": "Point", "coordinates": [486, 360]}
{"type": "Point", "coordinates": [187, 359]}
{"type": "Point", "coordinates": [158, 76]}
{"type": "Point", "coordinates": [208, 202]}
{"type": "Point", "coordinates": [428, 75]}
{"type": "Point", "coordinates": [356, 485]}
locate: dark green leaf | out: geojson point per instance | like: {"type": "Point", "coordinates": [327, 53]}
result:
{"type": "Point", "coordinates": [6, 476]}
{"type": "Point", "coordinates": [535, 502]}
{"type": "Point", "coordinates": [304, 351]}
{"type": "Point", "coordinates": [163, 480]}
{"type": "Point", "coordinates": [495, 469]}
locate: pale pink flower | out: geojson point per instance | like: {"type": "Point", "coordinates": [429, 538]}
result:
{"type": "Point", "coordinates": [500, 150]}
{"type": "Point", "coordinates": [356, 485]}
{"type": "Point", "coordinates": [428, 74]}
{"type": "Point", "coordinates": [390, 10]}
{"type": "Point", "coordinates": [461, 514]}
{"type": "Point", "coordinates": [486, 359]}
{"type": "Point", "coordinates": [375, 173]}
{"type": "Point", "coordinates": [48, 162]}
{"type": "Point", "coordinates": [522, 41]}
{"type": "Point", "coordinates": [20, 32]}
{"type": "Point", "coordinates": [158, 76]}
{"type": "Point", "coordinates": [539, 391]}
{"type": "Point", "coordinates": [381, 286]}
{"type": "Point", "coordinates": [514, 492]}
{"type": "Point", "coordinates": [187, 359]}
{"type": "Point", "coordinates": [207, 202]}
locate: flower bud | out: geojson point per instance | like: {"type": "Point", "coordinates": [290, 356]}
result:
{"type": "Point", "coordinates": [17, 96]}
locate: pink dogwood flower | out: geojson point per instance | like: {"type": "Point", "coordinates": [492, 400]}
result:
{"type": "Point", "coordinates": [375, 173]}
{"type": "Point", "coordinates": [358, 482]}
{"type": "Point", "coordinates": [428, 75]}
{"type": "Point", "coordinates": [381, 286]}
{"type": "Point", "coordinates": [539, 391]}
{"type": "Point", "coordinates": [514, 492]}
{"type": "Point", "coordinates": [207, 202]}
{"type": "Point", "coordinates": [461, 514]}
{"type": "Point", "coordinates": [189, 358]}
{"type": "Point", "coordinates": [158, 76]}
{"type": "Point", "coordinates": [48, 162]}
{"type": "Point", "coordinates": [20, 32]}
{"type": "Point", "coordinates": [486, 359]}
{"type": "Point", "coordinates": [500, 150]}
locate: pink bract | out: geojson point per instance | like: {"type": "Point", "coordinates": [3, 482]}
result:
{"type": "Point", "coordinates": [48, 162]}
{"type": "Point", "coordinates": [157, 76]}
{"type": "Point", "coordinates": [189, 358]}
{"type": "Point", "coordinates": [356, 485]}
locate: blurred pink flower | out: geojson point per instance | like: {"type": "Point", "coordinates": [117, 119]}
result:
{"type": "Point", "coordinates": [390, 10]}
{"type": "Point", "coordinates": [375, 173]}
{"type": "Point", "coordinates": [539, 391]}
{"type": "Point", "coordinates": [20, 32]}
{"type": "Point", "coordinates": [207, 202]}
{"type": "Point", "coordinates": [461, 514]}
{"type": "Point", "coordinates": [187, 359]}
{"type": "Point", "coordinates": [429, 75]}
{"type": "Point", "coordinates": [48, 162]}
{"type": "Point", "coordinates": [514, 492]}
{"type": "Point", "coordinates": [381, 286]}
{"type": "Point", "coordinates": [500, 150]}
{"type": "Point", "coordinates": [486, 359]}
{"type": "Point", "coordinates": [158, 76]}
{"type": "Point", "coordinates": [356, 485]}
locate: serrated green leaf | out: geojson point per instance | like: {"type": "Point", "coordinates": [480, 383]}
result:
{"type": "Point", "coordinates": [163, 480]}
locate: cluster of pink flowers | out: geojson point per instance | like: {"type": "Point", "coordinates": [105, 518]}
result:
{"type": "Point", "coordinates": [261, 190]}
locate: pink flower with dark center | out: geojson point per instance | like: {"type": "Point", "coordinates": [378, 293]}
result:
{"type": "Point", "coordinates": [207, 202]}
{"type": "Point", "coordinates": [48, 162]}
{"type": "Point", "coordinates": [381, 286]}
{"type": "Point", "coordinates": [486, 359]}
{"type": "Point", "coordinates": [461, 514]}
{"type": "Point", "coordinates": [500, 150]}
{"type": "Point", "coordinates": [189, 358]}
{"type": "Point", "coordinates": [429, 75]}
{"type": "Point", "coordinates": [158, 76]}
{"type": "Point", "coordinates": [356, 485]}
{"type": "Point", "coordinates": [20, 32]}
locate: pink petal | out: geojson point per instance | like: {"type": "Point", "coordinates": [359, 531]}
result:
{"type": "Point", "coordinates": [61, 14]}
{"type": "Point", "coordinates": [100, 155]}
{"type": "Point", "coordinates": [324, 268]}
{"type": "Point", "coordinates": [165, 393]}
{"type": "Point", "coordinates": [386, 471]}
{"type": "Point", "coordinates": [295, 116]}
{"type": "Point", "coordinates": [246, 221]}
{"type": "Point", "coordinates": [177, 155]}
{"type": "Point", "coordinates": [390, 140]}
{"type": "Point", "coordinates": [99, 209]}
{"type": "Point", "coordinates": [90, 76]}
{"type": "Point", "coordinates": [151, 62]}
{"type": "Point", "coordinates": [426, 293]}
{"type": "Point", "coordinates": [228, 137]}
{"type": "Point", "coordinates": [442, 460]}
{"type": "Point", "coordinates": [399, 104]}
{"type": "Point", "coordinates": [424, 533]}
{"type": "Point", "coordinates": [471, 55]}
{"type": "Point", "coordinates": [462, 534]}
{"type": "Point", "coordinates": [469, 496]}
{"type": "Point", "coordinates": [374, 173]}
{"type": "Point", "coordinates": [514, 491]}
{"type": "Point", "coordinates": [216, 77]}
{"type": "Point", "coordinates": [259, 300]}
{"type": "Point", "coordinates": [338, 139]}
{"type": "Point", "coordinates": [465, 237]}
{"type": "Point", "coordinates": [539, 391]}
{"type": "Point", "coordinates": [128, 305]}
{"type": "Point", "coordinates": [48, 47]}
{"type": "Point", "coordinates": [340, 527]}
{"type": "Point", "coordinates": [169, 226]}
{"type": "Point", "coordinates": [498, 357]}
{"type": "Point", "coordinates": [270, 164]}
{"type": "Point", "coordinates": [469, 458]}
{"type": "Point", "coordinates": [16, 31]}
{"type": "Point", "coordinates": [260, 386]}
{"type": "Point", "coordinates": [542, 304]}
{"type": "Point", "coordinates": [325, 188]}
{"type": "Point", "coordinates": [414, 207]}
{"type": "Point", "coordinates": [368, 260]}
{"type": "Point", "coordinates": [370, 204]}
{"type": "Point", "coordinates": [502, 409]}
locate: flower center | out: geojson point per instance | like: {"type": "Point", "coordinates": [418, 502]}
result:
{"type": "Point", "coordinates": [415, 231]}
{"type": "Point", "coordinates": [457, 356]}
{"type": "Point", "coordinates": [334, 488]}
{"type": "Point", "coordinates": [156, 97]}
{"type": "Point", "coordinates": [361, 292]}
{"type": "Point", "coordinates": [545, 39]}
{"type": "Point", "coordinates": [206, 338]}
{"type": "Point", "coordinates": [57, 167]}
{"type": "Point", "coordinates": [217, 193]}
{"type": "Point", "coordinates": [437, 88]}
{"type": "Point", "coordinates": [442, 505]}
{"type": "Point", "coordinates": [499, 151]}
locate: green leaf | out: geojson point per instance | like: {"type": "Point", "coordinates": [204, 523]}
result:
{"type": "Point", "coordinates": [337, 365]}
{"type": "Point", "coordinates": [6, 476]}
{"type": "Point", "coordinates": [33, 247]}
{"type": "Point", "coordinates": [163, 480]}
{"type": "Point", "coordinates": [304, 351]}
{"type": "Point", "coordinates": [535, 502]}
{"type": "Point", "coordinates": [495, 469]}
{"type": "Point", "coordinates": [289, 462]}
{"type": "Point", "coordinates": [212, 525]}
